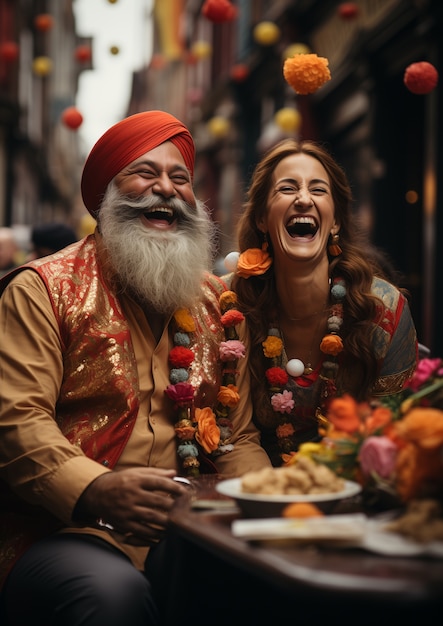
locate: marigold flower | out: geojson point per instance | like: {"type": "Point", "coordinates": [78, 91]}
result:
{"type": "Point", "coordinates": [272, 346]}
{"type": "Point", "coordinates": [343, 414]}
{"type": "Point", "coordinates": [305, 73]}
{"type": "Point", "coordinates": [180, 356]}
{"type": "Point", "coordinates": [331, 344]}
{"type": "Point", "coordinates": [283, 402]}
{"type": "Point", "coordinates": [227, 300]}
{"type": "Point", "coordinates": [285, 430]}
{"type": "Point", "coordinates": [253, 262]}
{"type": "Point", "coordinates": [276, 376]}
{"type": "Point", "coordinates": [232, 317]}
{"type": "Point", "coordinates": [185, 432]}
{"type": "Point", "coordinates": [379, 418]}
{"type": "Point", "coordinates": [208, 433]}
{"type": "Point", "coordinates": [422, 426]}
{"type": "Point", "coordinates": [228, 395]}
{"type": "Point", "coordinates": [232, 350]}
{"type": "Point", "coordinates": [184, 320]}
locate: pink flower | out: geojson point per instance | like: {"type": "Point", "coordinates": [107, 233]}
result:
{"type": "Point", "coordinates": [425, 369]}
{"type": "Point", "coordinates": [283, 402]}
{"type": "Point", "coordinates": [231, 350]}
{"type": "Point", "coordinates": [181, 393]}
{"type": "Point", "coordinates": [378, 454]}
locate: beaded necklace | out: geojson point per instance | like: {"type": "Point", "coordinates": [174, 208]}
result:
{"type": "Point", "coordinates": [204, 430]}
{"type": "Point", "coordinates": [277, 376]}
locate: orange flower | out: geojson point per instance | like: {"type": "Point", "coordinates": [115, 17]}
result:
{"type": "Point", "coordinates": [422, 426]}
{"type": "Point", "coordinates": [208, 433]}
{"type": "Point", "coordinates": [227, 300]}
{"type": "Point", "coordinates": [184, 320]}
{"type": "Point", "coordinates": [253, 262]}
{"type": "Point", "coordinates": [285, 430]}
{"type": "Point", "coordinates": [272, 346]}
{"type": "Point", "coordinates": [343, 414]}
{"type": "Point", "coordinates": [379, 418]}
{"type": "Point", "coordinates": [228, 395]}
{"type": "Point", "coordinates": [419, 472]}
{"type": "Point", "coordinates": [331, 344]}
{"type": "Point", "coordinates": [305, 73]}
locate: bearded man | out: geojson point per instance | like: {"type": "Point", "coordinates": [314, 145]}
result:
{"type": "Point", "coordinates": [90, 443]}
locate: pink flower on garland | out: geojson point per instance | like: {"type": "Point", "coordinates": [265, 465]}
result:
{"type": "Point", "coordinates": [232, 350]}
{"type": "Point", "coordinates": [181, 393]}
{"type": "Point", "coordinates": [283, 402]}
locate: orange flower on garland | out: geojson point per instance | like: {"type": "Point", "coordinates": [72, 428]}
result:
{"type": "Point", "coordinates": [305, 73]}
{"type": "Point", "coordinates": [331, 344]}
{"type": "Point", "coordinates": [208, 433]}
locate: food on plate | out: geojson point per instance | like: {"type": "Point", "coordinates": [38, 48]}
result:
{"type": "Point", "coordinates": [302, 477]}
{"type": "Point", "coordinates": [422, 521]}
{"type": "Point", "coordinates": [302, 509]}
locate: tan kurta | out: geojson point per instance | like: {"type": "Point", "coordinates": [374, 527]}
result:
{"type": "Point", "coordinates": [36, 459]}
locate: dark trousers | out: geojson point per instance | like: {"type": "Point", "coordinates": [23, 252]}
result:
{"type": "Point", "coordinates": [73, 580]}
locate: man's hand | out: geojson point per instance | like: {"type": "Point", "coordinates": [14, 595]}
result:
{"type": "Point", "coordinates": [133, 502]}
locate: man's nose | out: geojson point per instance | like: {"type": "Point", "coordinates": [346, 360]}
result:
{"type": "Point", "coordinates": [163, 186]}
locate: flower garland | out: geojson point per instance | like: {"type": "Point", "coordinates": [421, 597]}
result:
{"type": "Point", "coordinates": [282, 400]}
{"type": "Point", "coordinates": [204, 429]}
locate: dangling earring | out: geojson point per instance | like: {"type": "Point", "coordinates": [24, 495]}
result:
{"type": "Point", "coordinates": [333, 247]}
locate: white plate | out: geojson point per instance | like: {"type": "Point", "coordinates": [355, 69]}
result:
{"type": "Point", "coordinates": [259, 505]}
{"type": "Point", "coordinates": [232, 488]}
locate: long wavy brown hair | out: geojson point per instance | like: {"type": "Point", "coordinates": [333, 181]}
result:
{"type": "Point", "coordinates": [257, 295]}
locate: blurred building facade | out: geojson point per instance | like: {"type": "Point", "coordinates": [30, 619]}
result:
{"type": "Point", "coordinates": [39, 71]}
{"type": "Point", "coordinates": [226, 83]}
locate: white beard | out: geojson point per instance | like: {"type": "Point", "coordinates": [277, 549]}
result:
{"type": "Point", "coordinates": [163, 269]}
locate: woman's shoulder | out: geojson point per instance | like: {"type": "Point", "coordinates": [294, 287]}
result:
{"type": "Point", "coordinates": [388, 293]}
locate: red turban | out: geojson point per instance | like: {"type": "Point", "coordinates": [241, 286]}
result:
{"type": "Point", "coordinates": [126, 141]}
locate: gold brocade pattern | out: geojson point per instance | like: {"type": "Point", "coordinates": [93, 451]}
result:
{"type": "Point", "coordinates": [100, 385]}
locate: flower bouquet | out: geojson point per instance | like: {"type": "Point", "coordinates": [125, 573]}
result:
{"type": "Point", "coordinates": [392, 445]}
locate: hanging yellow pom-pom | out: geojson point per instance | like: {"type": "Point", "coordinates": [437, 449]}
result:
{"type": "Point", "coordinates": [218, 126]}
{"type": "Point", "coordinates": [288, 119]}
{"type": "Point", "coordinates": [266, 33]}
{"type": "Point", "coordinates": [296, 48]}
{"type": "Point", "coordinates": [42, 66]}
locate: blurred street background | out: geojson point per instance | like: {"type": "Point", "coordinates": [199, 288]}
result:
{"type": "Point", "coordinates": [71, 68]}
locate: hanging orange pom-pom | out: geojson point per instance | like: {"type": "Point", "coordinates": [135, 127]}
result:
{"type": "Point", "coordinates": [219, 10]}
{"type": "Point", "coordinates": [305, 73]}
{"type": "Point", "coordinates": [44, 22]}
{"type": "Point", "coordinates": [72, 118]}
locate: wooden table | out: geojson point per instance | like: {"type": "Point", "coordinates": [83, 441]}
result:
{"type": "Point", "coordinates": [216, 578]}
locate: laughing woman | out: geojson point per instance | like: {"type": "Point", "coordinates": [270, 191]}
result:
{"type": "Point", "coordinates": [322, 319]}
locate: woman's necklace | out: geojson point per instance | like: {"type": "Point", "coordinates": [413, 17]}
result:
{"type": "Point", "coordinates": [205, 430]}
{"type": "Point", "coordinates": [277, 376]}
{"type": "Point", "coordinates": [296, 367]}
